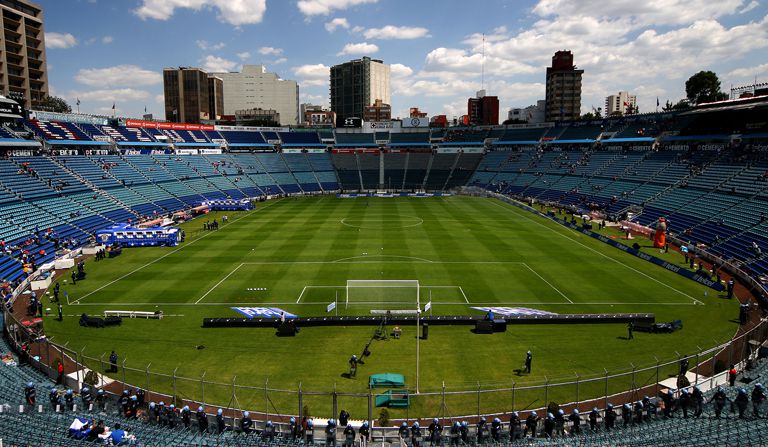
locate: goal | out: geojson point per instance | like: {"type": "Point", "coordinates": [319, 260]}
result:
{"type": "Point", "coordinates": [388, 294]}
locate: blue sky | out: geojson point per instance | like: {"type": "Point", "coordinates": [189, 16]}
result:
{"type": "Point", "coordinates": [105, 51]}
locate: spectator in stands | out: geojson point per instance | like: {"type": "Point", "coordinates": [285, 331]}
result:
{"type": "Point", "coordinates": [30, 394]}
{"type": "Point", "coordinates": [118, 434]}
{"type": "Point", "coordinates": [113, 362]}
{"type": "Point", "coordinates": [202, 419]}
{"type": "Point", "coordinates": [732, 373]}
{"type": "Point", "coordinates": [60, 373]}
{"type": "Point", "coordinates": [758, 397]}
{"type": "Point", "coordinates": [741, 401]}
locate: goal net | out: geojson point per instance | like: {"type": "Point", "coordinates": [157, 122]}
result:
{"type": "Point", "coordinates": [383, 294]}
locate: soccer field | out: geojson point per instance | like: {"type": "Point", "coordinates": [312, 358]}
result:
{"type": "Point", "coordinates": [298, 254]}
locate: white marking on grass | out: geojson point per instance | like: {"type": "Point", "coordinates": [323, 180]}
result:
{"type": "Point", "coordinates": [168, 254]}
{"type": "Point", "coordinates": [301, 294]}
{"type": "Point", "coordinates": [548, 283]}
{"type": "Point", "coordinates": [597, 252]}
{"type": "Point", "coordinates": [218, 283]}
{"type": "Point", "coordinates": [383, 256]}
{"type": "Point", "coordinates": [540, 303]}
{"type": "Point", "coordinates": [463, 294]}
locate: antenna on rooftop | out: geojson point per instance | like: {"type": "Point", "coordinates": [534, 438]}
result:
{"type": "Point", "coordinates": [482, 67]}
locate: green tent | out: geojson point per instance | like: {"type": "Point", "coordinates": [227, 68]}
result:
{"type": "Point", "coordinates": [386, 380]}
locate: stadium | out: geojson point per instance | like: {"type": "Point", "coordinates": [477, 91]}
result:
{"type": "Point", "coordinates": [574, 282]}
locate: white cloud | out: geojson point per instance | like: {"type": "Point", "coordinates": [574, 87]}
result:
{"type": "Point", "coordinates": [206, 46]}
{"type": "Point", "coordinates": [400, 70]}
{"type": "Point", "coordinates": [358, 48]}
{"type": "Point", "coordinates": [313, 74]}
{"type": "Point", "coordinates": [120, 75]}
{"type": "Point", "coordinates": [216, 64]}
{"type": "Point", "coordinates": [111, 95]}
{"type": "Point", "coordinates": [107, 40]}
{"type": "Point", "coordinates": [244, 56]}
{"type": "Point", "coordinates": [338, 22]}
{"type": "Point", "coordinates": [640, 13]}
{"type": "Point", "coordinates": [234, 12]}
{"type": "Point", "coordinates": [752, 5]}
{"type": "Point", "coordinates": [59, 40]}
{"type": "Point", "coordinates": [760, 71]}
{"type": "Point", "coordinates": [396, 32]}
{"type": "Point", "coordinates": [324, 7]}
{"type": "Point", "coordinates": [270, 51]}
{"type": "Point", "coordinates": [282, 60]}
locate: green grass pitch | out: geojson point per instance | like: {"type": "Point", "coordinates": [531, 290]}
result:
{"type": "Point", "coordinates": [297, 254]}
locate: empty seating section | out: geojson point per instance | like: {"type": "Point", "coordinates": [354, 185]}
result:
{"type": "Point", "coordinates": [394, 169]}
{"type": "Point", "coordinates": [440, 171]}
{"type": "Point", "coordinates": [463, 170]}
{"type": "Point", "coordinates": [409, 139]}
{"type": "Point", "coordinates": [469, 136]}
{"type": "Point", "coordinates": [523, 135]}
{"type": "Point", "coordinates": [354, 139]}
{"type": "Point", "coordinates": [416, 171]}
{"type": "Point", "coordinates": [55, 130]}
{"type": "Point", "coordinates": [300, 139]}
{"type": "Point", "coordinates": [242, 138]}
{"type": "Point", "coordinates": [581, 132]}
{"type": "Point", "coordinates": [127, 134]}
{"type": "Point", "coordinates": [346, 168]}
{"type": "Point", "coordinates": [369, 169]}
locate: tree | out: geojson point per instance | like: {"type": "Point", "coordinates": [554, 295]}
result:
{"type": "Point", "coordinates": [55, 104]}
{"type": "Point", "coordinates": [704, 86]}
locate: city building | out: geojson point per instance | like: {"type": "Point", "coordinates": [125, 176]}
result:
{"type": "Point", "coordinates": [534, 114]}
{"type": "Point", "coordinates": [215, 97]}
{"type": "Point", "coordinates": [438, 121]}
{"type": "Point", "coordinates": [187, 97]}
{"type": "Point", "coordinates": [255, 88]}
{"type": "Point", "coordinates": [23, 68]}
{"type": "Point", "coordinates": [313, 115]}
{"type": "Point", "coordinates": [483, 110]}
{"type": "Point", "coordinates": [416, 113]}
{"type": "Point", "coordinates": [563, 96]}
{"type": "Point", "coordinates": [378, 111]}
{"type": "Point", "coordinates": [257, 117]}
{"type": "Point", "coordinates": [621, 104]}
{"type": "Point", "coordinates": [357, 84]}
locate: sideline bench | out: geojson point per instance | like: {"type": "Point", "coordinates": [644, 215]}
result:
{"type": "Point", "coordinates": [133, 314]}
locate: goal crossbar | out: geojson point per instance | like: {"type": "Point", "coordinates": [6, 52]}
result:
{"type": "Point", "coordinates": [384, 284]}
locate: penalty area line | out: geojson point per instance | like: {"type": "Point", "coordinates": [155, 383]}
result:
{"type": "Point", "coordinates": [168, 254]}
{"type": "Point", "coordinates": [513, 211]}
{"type": "Point", "coordinates": [548, 283]}
{"type": "Point", "coordinates": [218, 283]}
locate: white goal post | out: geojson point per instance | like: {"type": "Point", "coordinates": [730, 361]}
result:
{"type": "Point", "coordinates": [380, 291]}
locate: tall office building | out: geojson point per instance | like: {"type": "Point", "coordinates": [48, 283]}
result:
{"type": "Point", "coordinates": [623, 104]}
{"type": "Point", "coordinates": [563, 88]}
{"type": "Point", "coordinates": [215, 97]}
{"type": "Point", "coordinates": [255, 88]}
{"type": "Point", "coordinates": [483, 110]}
{"type": "Point", "coordinates": [23, 69]}
{"type": "Point", "coordinates": [357, 84]}
{"type": "Point", "coordinates": [188, 95]}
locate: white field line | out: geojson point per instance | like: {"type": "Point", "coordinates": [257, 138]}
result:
{"type": "Point", "coordinates": [548, 283]}
{"type": "Point", "coordinates": [301, 294]}
{"type": "Point", "coordinates": [168, 254]}
{"type": "Point", "coordinates": [597, 252]}
{"type": "Point", "coordinates": [463, 294]}
{"type": "Point", "coordinates": [452, 303]}
{"type": "Point", "coordinates": [218, 283]}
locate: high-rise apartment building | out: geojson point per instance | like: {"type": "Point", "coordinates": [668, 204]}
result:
{"type": "Point", "coordinates": [357, 84]}
{"type": "Point", "coordinates": [187, 97]}
{"type": "Point", "coordinates": [23, 69]}
{"type": "Point", "coordinates": [255, 88]}
{"type": "Point", "coordinates": [483, 110]}
{"type": "Point", "coordinates": [563, 88]}
{"type": "Point", "coordinates": [623, 103]}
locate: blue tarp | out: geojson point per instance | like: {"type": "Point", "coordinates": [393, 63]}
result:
{"type": "Point", "coordinates": [77, 143]}
{"type": "Point", "coordinates": [629, 140]}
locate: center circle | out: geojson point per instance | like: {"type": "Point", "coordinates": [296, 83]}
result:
{"type": "Point", "coordinates": [382, 222]}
